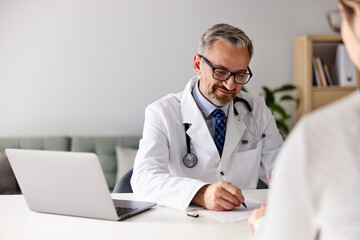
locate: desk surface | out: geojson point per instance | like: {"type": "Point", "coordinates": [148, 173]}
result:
{"type": "Point", "coordinates": [18, 222]}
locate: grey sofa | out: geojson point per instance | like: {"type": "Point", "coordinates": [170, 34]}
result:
{"type": "Point", "coordinates": [103, 146]}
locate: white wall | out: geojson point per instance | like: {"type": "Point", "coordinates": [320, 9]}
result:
{"type": "Point", "coordinates": [90, 67]}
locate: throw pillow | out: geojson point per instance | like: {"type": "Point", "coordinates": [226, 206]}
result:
{"type": "Point", "coordinates": [8, 183]}
{"type": "Point", "coordinates": [125, 160]}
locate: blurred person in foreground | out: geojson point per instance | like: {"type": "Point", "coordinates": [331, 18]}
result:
{"type": "Point", "coordinates": [315, 186]}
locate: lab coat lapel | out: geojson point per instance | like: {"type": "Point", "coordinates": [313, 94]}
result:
{"type": "Point", "coordinates": [199, 133]}
{"type": "Point", "coordinates": [234, 130]}
{"type": "Point", "coordinates": [198, 130]}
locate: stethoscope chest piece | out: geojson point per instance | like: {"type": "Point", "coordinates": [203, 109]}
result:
{"type": "Point", "coordinates": [190, 160]}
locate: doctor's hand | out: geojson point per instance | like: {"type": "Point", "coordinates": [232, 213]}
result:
{"type": "Point", "coordinates": [218, 196]}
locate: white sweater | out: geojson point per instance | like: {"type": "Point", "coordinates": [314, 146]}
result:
{"type": "Point", "coordinates": [315, 189]}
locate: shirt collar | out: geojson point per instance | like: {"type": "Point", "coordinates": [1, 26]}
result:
{"type": "Point", "coordinates": [206, 107]}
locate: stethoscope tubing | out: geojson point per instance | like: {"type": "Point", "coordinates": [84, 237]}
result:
{"type": "Point", "coordinates": [190, 159]}
{"type": "Point", "coordinates": [254, 135]}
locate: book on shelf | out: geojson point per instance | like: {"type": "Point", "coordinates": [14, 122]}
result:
{"type": "Point", "coordinates": [316, 81]}
{"type": "Point", "coordinates": [321, 72]}
{"type": "Point", "coordinates": [328, 75]}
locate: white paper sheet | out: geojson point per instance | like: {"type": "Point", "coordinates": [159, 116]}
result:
{"type": "Point", "coordinates": [238, 214]}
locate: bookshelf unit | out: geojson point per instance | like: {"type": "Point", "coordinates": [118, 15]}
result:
{"type": "Point", "coordinates": [312, 97]}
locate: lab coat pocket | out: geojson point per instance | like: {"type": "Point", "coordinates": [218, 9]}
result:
{"type": "Point", "coordinates": [247, 164]}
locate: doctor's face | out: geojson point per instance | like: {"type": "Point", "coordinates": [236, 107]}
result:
{"type": "Point", "coordinates": [225, 56]}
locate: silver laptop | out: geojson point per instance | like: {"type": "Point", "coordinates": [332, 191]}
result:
{"type": "Point", "coordinates": [68, 183]}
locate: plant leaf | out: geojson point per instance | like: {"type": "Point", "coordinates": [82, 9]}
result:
{"type": "Point", "coordinates": [284, 118]}
{"type": "Point", "coordinates": [274, 104]}
{"type": "Point", "coordinates": [287, 98]}
{"type": "Point", "coordinates": [286, 87]}
{"type": "Point", "coordinates": [282, 127]}
{"type": "Point", "coordinates": [274, 107]}
{"type": "Point", "coordinates": [269, 96]}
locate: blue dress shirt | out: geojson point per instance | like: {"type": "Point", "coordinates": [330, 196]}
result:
{"type": "Point", "coordinates": [207, 108]}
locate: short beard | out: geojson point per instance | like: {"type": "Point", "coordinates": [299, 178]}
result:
{"type": "Point", "coordinates": [220, 102]}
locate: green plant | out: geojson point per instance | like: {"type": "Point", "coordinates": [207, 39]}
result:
{"type": "Point", "coordinates": [274, 99]}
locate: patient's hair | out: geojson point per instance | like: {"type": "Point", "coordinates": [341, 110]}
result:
{"type": "Point", "coordinates": [227, 33]}
{"type": "Point", "coordinates": [349, 5]}
{"type": "Point", "coordinates": [348, 8]}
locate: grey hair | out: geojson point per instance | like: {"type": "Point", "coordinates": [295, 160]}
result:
{"type": "Point", "coordinates": [227, 33]}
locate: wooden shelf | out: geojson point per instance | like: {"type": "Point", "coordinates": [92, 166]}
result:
{"type": "Point", "coordinates": [312, 97]}
{"type": "Point", "coordinates": [333, 88]}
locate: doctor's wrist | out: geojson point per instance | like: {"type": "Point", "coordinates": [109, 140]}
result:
{"type": "Point", "coordinates": [199, 198]}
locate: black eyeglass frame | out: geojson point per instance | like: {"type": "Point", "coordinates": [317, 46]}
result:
{"type": "Point", "coordinates": [249, 73]}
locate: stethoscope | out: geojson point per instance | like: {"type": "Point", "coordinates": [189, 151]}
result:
{"type": "Point", "coordinates": [190, 159]}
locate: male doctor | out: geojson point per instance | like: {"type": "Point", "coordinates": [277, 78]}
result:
{"type": "Point", "coordinates": [227, 149]}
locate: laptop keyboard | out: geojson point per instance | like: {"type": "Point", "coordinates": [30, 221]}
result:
{"type": "Point", "coordinates": [123, 210]}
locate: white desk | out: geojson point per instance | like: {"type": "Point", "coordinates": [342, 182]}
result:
{"type": "Point", "coordinates": [18, 222]}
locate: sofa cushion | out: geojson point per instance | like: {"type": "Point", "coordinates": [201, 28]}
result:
{"type": "Point", "coordinates": [8, 183]}
{"type": "Point", "coordinates": [104, 147]}
{"type": "Point", "coordinates": [125, 158]}
{"type": "Point", "coordinates": [37, 143]}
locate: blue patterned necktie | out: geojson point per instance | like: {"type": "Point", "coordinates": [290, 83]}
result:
{"type": "Point", "coordinates": [220, 129]}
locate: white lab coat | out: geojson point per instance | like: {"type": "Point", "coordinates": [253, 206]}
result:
{"type": "Point", "coordinates": [159, 173]}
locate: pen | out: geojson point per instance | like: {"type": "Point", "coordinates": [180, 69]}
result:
{"type": "Point", "coordinates": [192, 214]}
{"type": "Point", "coordinates": [243, 203]}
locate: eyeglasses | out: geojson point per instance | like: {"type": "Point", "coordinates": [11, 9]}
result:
{"type": "Point", "coordinates": [334, 16]}
{"type": "Point", "coordinates": [221, 74]}
{"type": "Point", "coordinates": [334, 19]}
